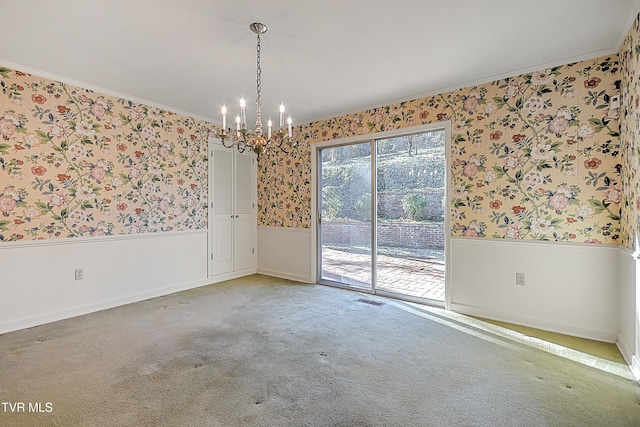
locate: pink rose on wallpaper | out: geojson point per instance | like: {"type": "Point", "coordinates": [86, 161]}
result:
{"type": "Point", "coordinates": [164, 204]}
{"type": "Point", "coordinates": [7, 128]}
{"type": "Point", "coordinates": [135, 114]}
{"type": "Point", "coordinates": [353, 126]}
{"type": "Point", "coordinates": [38, 170]}
{"type": "Point", "coordinates": [513, 231]}
{"type": "Point", "coordinates": [85, 128]}
{"type": "Point", "coordinates": [98, 173]}
{"type": "Point", "coordinates": [585, 211]}
{"type": "Point", "coordinates": [7, 204]}
{"type": "Point", "coordinates": [470, 232]}
{"type": "Point", "coordinates": [534, 104]}
{"type": "Point", "coordinates": [518, 209]}
{"type": "Point", "coordinates": [513, 161]}
{"type": "Point", "coordinates": [38, 99]}
{"type": "Point", "coordinates": [163, 152]}
{"type": "Point", "coordinates": [470, 104]}
{"type": "Point", "coordinates": [613, 113]}
{"type": "Point", "coordinates": [593, 82]}
{"type": "Point", "coordinates": [613, 195]}
{"type": "Point", "coordinates": [470, 170]}
{"type": "Point", "coordinates": [121, 147]}
{"type": "Point", "coordinates": [494, 136]}
{"type": "Point", "coordinates": [558, 202]}
{"type": "Point", "coordinates": [533, 179]}
{"type": "Point", "coordinates": [59, 130]}
{"type": "Point", "coordinates": [135, 172]}
{"type": "Point", "coordinates": [63, 109]}
{"type": "Point", "coordinates": [542, 226]}
{"type": "Point", "coordinates": [136, 228]}
{"type": "Point", "coordinates": [541, 77]}
{"type": "Point", "coordinates": [31, 212]}
{"type": "Point", "coordinates": [98, 110]}
{"type": "Point", "coordinates": [542, 152]}
{"type": "Point", "coordinates": [85, 193]}
{"type": "Point", "coordinates": [513, 89]}
{"type": "Point", "coordinates": [58, 199]}
{"type": "Point", "coordinates": [585, 131]}
{"type": "Point", "coordinates": [592, 163]}
{"type": "Point", "coordinates": [495, 204]}
{"type": "Point", "coordinates": [558, 125]}
{"type": "Point", "coordinates": [121, 206]}
{"type": "Point", "coordinates": [31, 140]}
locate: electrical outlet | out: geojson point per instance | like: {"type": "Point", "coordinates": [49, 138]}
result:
{"type": "Point", "coordinates": [520, 279]}
{"type": "Point", "coordinates": [79, 274]}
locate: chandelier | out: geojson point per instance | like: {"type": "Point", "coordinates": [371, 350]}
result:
{"type": "Point", "coordinates": [243, 138]}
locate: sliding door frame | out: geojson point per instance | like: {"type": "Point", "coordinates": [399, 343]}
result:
{"type": "Point", "coordinates": [372, 137]}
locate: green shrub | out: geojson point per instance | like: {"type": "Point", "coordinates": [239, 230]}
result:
{"type": "Point", "coordinates": [363, 208]}
{"type": "Point", "coordinates": [414, 206]}
{"type": "Point", "coordinates": [331, 203]}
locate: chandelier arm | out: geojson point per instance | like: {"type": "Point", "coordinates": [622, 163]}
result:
{"type": "Point", "coordinates": [225, 144]}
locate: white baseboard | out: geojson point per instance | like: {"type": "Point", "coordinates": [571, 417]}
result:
{"type": "Point", "coordinates": [217, 278]}
{"type": "Point", "coordinates": [509, 317]}
{"type": "Point", "coordinates": [632, 361]}
{"type": "Point", "coordinates": [284, 275]}
{"type": "Point", "coordinates": [635, 368]}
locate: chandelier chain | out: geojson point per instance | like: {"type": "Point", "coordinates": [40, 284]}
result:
{"type": "Point", "coordinates": [258, 74]}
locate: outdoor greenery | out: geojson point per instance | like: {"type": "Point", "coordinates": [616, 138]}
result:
{"type": "Point", "coordinates": [409, 165]}
{"type": "Point", "coordinates": [414, 206]}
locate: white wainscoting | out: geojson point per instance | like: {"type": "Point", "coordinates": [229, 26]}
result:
{"type": "Point", "coordinates": [285, 252]}
{"type": "Point", "coordinates": [37, 281]}
{"type": "Point", "coordinates": [569, 288]}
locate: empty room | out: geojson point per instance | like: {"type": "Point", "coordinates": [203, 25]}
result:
{"type": "Point", "coordinates": [319, 213]}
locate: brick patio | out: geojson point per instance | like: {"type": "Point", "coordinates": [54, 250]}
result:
{"type": "Point", "coordinates": [419, 278]}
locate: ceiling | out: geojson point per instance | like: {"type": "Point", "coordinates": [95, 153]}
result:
{"type": "Point", "coordinates": [322, 58]}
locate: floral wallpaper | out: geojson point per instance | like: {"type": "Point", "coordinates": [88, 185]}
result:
{"type": "Point", "coordinates": [630, 134]}
{"type": "Point", "coordinates": [77, 163]}
{"type": "Point", "coordinates": [536, 156]}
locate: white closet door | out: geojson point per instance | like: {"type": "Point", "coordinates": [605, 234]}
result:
{"type": "Point", "coordinates": [223, 215]}
{"type": "Point", "coordinates": [243, 218]}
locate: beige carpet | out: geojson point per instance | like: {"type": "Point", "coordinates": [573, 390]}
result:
{"type": "Point", "coordinates": [261, 351]}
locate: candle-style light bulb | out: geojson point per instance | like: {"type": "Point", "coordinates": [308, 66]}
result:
{"type": "Point", "coordinates": [290, 122]}
{"type": "Point", "coordinates": [281, 115]}
{"type": "Point", "coordinates": [243, 111]}
{"type": "Point", "coordinates": [224, 117]}
{"type": "Point", "coordinates": [269, 124]}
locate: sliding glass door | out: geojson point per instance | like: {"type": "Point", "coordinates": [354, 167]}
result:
{"type": "Point", "coordinates": [345, 215]}
{"type": "Point", "coordinates": [384, 232]}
